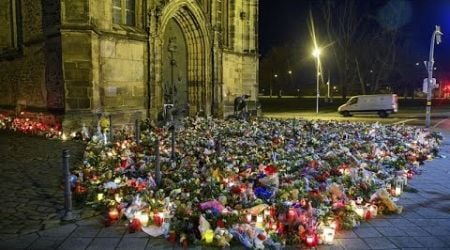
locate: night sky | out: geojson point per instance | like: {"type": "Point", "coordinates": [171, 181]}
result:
{"type": "Point", "coordinates": [285, 22]}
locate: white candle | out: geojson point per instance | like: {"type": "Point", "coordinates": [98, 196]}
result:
{"type": "Point", "coordinates": [328, 235]}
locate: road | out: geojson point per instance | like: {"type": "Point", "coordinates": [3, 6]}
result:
{"type": "Point", "coordinates": [414, 117]}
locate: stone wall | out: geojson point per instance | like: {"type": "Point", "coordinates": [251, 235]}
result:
{"type": "Point", "coordinates": [240, 57]}
{"type": "Point", "coordinates": [104, 64]}
{"type": "Point", "coordinates": [22, 73]}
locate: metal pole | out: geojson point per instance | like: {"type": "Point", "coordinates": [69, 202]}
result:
{"type": "Point", "coordinates": [317, 86]}
{"type": "Point", "coordinates": [67, 191]}
{"type": "Point", "coordinates": [137, 131]}
{"type": "Point", "coordinates": [110, 128]}
{"type": "Point", "coordinates": [172, 156]}
{"type": "Point", "coordinates": [429, 66]}
{"type": "Point", "coordinates": [158, 163]}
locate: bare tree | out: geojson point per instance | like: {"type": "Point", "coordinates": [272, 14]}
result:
{"type": "Point", "coordinates": [364, 53]}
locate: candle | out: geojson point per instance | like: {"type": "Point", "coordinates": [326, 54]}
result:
{"type": "Point", "coordinates": [113, 213]}
{"type": "Point", "coordinates": [398, 191]}
{"type": "Point", "coordinates": [359, 210]}
{"type": "Point", "coordinates": [259, 221]}
{"type": "Point", "coordinates": [328, 235]}
{"type": "Point", "coordinates": [208, 235]}
{"type": "Point", "coordinates": [158, 219]}
{"type": "Point", "coordinates": [311, 240]}
{"type": "Point", "coordinates": [142, 217]}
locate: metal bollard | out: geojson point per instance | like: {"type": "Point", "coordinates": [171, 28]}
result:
{"type": "Point", "coordinates": [137, 131]}
{"type": "Point", "coordinates": [172, 156]}
{"type": "Point", "coordinates": [110, 129]}
{"type": "Point", "coordinates": [67, 191]}
{"type": "Point", "coordinates": [158, 164]}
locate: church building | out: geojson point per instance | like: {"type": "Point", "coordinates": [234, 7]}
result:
{"type": "Point", "coordinates": [126, 58]}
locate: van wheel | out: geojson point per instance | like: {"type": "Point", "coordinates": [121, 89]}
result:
{"type": "Point", "coordinates": [346, 114]}
{"type": "Point", "coordinates": [383, 114]}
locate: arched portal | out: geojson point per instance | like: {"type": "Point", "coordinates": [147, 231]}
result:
{"type": "Point", "coordinates": [183, 22]}
{"type": "Point", "coordinates": [175, 62]}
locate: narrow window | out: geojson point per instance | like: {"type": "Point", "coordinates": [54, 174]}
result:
{"type": "Point", "coordinates": [117, 11]}
{"type": "Point", "coordinates": [130, 12]}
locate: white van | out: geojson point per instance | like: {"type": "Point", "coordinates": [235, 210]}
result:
{"type": "Point", "coordinates": [382, 104]}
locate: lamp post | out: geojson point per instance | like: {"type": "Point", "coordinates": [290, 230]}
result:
{"type": "Point", "coordinates": [271, 86]}
{"type": "Point", "coordinates": [429, 65]}
{"type": "Point", "coordinates": [316, 54]}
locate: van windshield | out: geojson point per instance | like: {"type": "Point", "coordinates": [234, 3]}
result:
{"type": "Point", "coordinates": [352, 101]}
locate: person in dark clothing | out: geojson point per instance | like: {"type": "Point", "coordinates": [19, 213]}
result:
{"type": "Point", "coordinates": [240, 104]}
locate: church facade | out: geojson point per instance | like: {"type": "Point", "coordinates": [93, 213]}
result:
{"type": "Point", "coordinates": [127, 58]}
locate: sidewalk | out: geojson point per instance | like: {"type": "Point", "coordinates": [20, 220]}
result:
{"type": "Point", "coordinates": [424, 223]}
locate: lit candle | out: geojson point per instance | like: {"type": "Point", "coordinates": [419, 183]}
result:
{"type": "Point", "coordinates": [398, 191]}
{"type": "Point", "coordinates": [157, 219]}
{"type": "Point", "coordinates": [259, 221]}
{"type": "Point", "coordinates": [359, 210]}
{"type": "Point", "coordinates": [142, 217]}
{"type": "Point", "coordinates": [328, 235]}
{"type": "Point", "coordinates": [310, 240]}
{"type": "Point", "coordinates": [113, 213]}
{"type": "Point", "coordinates": [100, 196]}
{"type": "Point", "coordinates": [208, 235]}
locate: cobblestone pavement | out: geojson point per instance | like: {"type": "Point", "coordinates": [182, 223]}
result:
{"type": "Point", "coordinates": [30, 187]}
{"type": "Point", "coordinates": [30, 182]}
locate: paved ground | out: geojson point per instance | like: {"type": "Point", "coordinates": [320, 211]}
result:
{"type": "Point", "coordinates": [31, 199]}
{"type": "Point", "coordinates": [30, 182]}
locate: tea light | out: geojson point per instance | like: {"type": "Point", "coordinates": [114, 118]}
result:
{"type": "Point", "coordinates": [113, 213]}
{"type": "Point", "coordinates": [328, 235]}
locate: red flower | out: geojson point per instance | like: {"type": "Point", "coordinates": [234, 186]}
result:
{"type": "Point", "coordinates": [270, 170]}
{"type": "Point", "coordinates": [236, 189]}
{"type": "Point", "coordinates": [220, 223]}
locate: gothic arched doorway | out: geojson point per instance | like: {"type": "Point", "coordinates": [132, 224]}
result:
{"type": "Point", "coordinates": [181, 23]}
{"type": "Point", "coordinates": [174, 70]}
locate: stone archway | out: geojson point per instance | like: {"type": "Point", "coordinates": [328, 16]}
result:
{"type": "Point", "coordinates": [191, 21]}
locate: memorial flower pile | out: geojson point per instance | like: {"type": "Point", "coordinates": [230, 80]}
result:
{"type": "Point", "coordinates": [30, 125]}
{"type": "Point", "coordinates": [262, 183]}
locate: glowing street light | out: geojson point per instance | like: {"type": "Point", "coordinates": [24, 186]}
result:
{"type": "Point", "coordinates": [435, 38]}
{"type": "Point", "coordinates": [316, 54]}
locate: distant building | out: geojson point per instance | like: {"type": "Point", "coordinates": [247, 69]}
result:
{"type": "Point", "coordinates": [121, 57]}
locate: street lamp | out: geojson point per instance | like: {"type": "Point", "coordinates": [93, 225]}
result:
{"type": "Point", "coordinates": [436, 37]}
{"type": "Point", "coordinates": [316, 54]}
{"type": "Point", "coordinates": [271, 87]}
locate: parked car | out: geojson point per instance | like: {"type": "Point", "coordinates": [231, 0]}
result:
{"type": "Point", "coordinates": [384, 105]}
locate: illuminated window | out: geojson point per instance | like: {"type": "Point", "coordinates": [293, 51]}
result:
{"type": "Point", "coordinates": [124, 12]}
